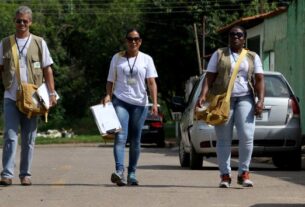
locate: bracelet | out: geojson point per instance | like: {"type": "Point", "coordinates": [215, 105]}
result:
{"type": "Point", "coordinates": [52, 94]}
{"type": "Point", "coordinates": [260, 100]}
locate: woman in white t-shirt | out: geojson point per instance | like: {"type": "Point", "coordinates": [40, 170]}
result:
{"type": "Point", "coordinates": [126, 88]}
{"type": "Point", "coordinates": [242, 106]}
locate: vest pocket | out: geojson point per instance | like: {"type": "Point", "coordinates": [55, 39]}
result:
{"type": "Point", "coordinates": [6, 61]}
{"type": "Point", "coordinates": [37, 70]}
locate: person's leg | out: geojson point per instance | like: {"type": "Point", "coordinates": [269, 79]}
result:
{"type": "Point", "coordinates": [28, 136]}
{"type": "Point", "coordinates": [245, 126]}
{"type": "Point", "coordinates": [137, 118]}
{"type": "Point", "coordinates": [224, 135]}
{"type": "Point", "coordinates": [121, 109]}
{"type": "Point", "coordinates": [11, 123]}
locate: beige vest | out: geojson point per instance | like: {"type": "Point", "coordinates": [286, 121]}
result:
{"type": "Point", "coordinates": [222, 80]}
{"type": "Point", "coordinates": [34, 55]}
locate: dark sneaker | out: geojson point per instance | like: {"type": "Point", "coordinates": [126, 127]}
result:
{"type": "Point", "coordinates": [244, 180]}
{"type": "Point", "coordinates": [118, 178]}
{"type": "Point", "coordinates": [6, 181]}
{"type": "Point", "coordinates": [25, 181]}
{"type": "Point", "coordinates": [225, 181]}
{"type": "Point", "coordinates": [132, 180]}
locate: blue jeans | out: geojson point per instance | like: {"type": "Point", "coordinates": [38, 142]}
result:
{"type": "Point", "coordinates": [242, 117]}
{"type": "Point", "coordinates": [132, 119]}
{"type": "Point", "coordinates": [12, 119]}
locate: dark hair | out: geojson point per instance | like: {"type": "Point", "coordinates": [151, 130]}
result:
{"type": "Point", "coordinates": [241, 28]}
{"type": "Point", "coordinates": [132, 30]}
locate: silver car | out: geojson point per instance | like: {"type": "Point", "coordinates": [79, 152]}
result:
{"type": "Point", "coordinates": [277, 133]}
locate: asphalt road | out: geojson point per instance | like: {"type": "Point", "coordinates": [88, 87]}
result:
{"type": "Point", "coordinates": [79, 176]}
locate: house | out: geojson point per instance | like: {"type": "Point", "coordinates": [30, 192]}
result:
{"type": "Point", "coordinates": [278, 37]}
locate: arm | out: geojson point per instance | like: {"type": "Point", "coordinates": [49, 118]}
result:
{"type": "Point", "coordinates": [152, 86]}
{"type": "Point", "coordinates": [207, 83]}
{"type": "Point", "coordinates": [48, 76]}
{"type": "Point", "coordinates": [109, 88]}
{"type": "Point", "coordinates": [260, 92]}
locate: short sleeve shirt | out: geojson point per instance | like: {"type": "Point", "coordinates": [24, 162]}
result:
{"type": "Point", "coordinates": [241, 86]}
{"type": "Point", "coordinates": [129, 75]}
{"type": "Point", "coordinates": [46, 61]}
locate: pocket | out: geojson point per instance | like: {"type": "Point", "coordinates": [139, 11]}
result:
{"type": "Point", "coordinates": [6, 61]}
{"type": "Point", "coordinates": [37, 70]}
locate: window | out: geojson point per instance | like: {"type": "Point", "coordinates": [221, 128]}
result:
{"type": "Point", "coordinates": [253, 44]}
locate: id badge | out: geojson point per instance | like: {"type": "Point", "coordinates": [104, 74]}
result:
{"type": "Point", "coordinates": [36, 65]}
{"type": "Point", "coordinates": [131, 81]}
{"type": "Point", "coordinates": [22, 63]}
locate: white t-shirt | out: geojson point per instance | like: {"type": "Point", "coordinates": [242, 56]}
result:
{"type": "Point", "coordinates": [241, 86]}
{"type": "Point", "coordinates": [46, 61]}
{"type": "Point", "coordinates": [129, 78]}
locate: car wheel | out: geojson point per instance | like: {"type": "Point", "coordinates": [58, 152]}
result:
{"type": "Point", "coordinates": [288, 161]}
{"type": "Point", "coordinates": [184, 157]}
{"type": "Point", "coordinates": [195, 159]}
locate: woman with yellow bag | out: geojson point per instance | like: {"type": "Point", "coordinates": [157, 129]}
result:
{"type": "Point", "coordinates": [248, 84]}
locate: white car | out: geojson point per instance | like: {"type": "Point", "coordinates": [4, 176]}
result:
{"type": "Point", "coordinates": [277, 133]}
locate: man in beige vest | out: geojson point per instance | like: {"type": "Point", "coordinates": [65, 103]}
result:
{"type": "Point", "coordinates": [35, 67]}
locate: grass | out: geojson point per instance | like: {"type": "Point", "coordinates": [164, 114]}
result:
{"type": "Point", "coordinates": [92, 137]}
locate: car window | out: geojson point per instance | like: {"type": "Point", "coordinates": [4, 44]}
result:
{"type": "Point", "coordinates": [275, 87]}
{"type": "Point", "coordinates": [195, 91]}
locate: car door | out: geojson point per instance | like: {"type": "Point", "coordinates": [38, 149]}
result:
{"type": "Point", "coordinates": [276, 110]}
{"type": "Point", "coordinates": [188, 114]}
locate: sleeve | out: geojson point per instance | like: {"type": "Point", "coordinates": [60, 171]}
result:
{"type": "Point", "coordinates": [258, 66]}
{"type": "Point", "coordinates": [46, 56]}
{"type": "Point", "coordinates": [111, 75]}
{"type": "Point", "coordinates": [212, 65]}
{"type": "Point", "coordinates": [151, 69]}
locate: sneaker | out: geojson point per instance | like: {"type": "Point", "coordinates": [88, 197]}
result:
{"type": "Point", "coordinates": [6, 181]}
{"type": "Point", "coordinates": [225, 181]}
{"type": "Point", "coordinates": [244, 179]}
{"type": "Point", "coordinates": [25, 181]}
{"type": "Point", "coordinates": [132, 180]}
{"type": "Point", "coordinates": [118, 178]}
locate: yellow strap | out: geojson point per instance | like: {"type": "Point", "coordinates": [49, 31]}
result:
{"type": "Point", "coordinates": [15, 58]}
{"type": "Point", "coordinates": [46, 117]}
{"type": "Point", "coordinates": [234, 74]}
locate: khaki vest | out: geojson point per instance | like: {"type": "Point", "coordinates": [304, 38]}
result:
{"type": "Point", "coordinates": [222, 80]}
{"type": "Point", "coordinates": [33, 56]}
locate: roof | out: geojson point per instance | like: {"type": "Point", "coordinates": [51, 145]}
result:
{"type": "Point", "coordinates": [251, 21]}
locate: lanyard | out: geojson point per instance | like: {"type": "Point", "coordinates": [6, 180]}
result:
{"type": "Point", "coordinates": [21, 51]}
{"type": "Point", "coordinates": [233, 56]}
{"type": "Point", "coordinates": [131, 68]}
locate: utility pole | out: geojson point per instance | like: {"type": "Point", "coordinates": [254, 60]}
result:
{"type": "Point", "coordinates": [203, 42]}
{"type": "Point", "coordinates": [197, 49]}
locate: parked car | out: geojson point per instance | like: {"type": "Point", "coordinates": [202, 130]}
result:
{"type": "Point", "coordinates": [153, 129]}
{"type": "Point", "coordinates": [277, 131]}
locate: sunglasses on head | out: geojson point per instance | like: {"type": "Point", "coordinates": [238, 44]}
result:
{"type": "Point", "coordinates": [238, 34]}
{"type": "Point", "coordinates": [21, 21]}
{"type": "Point", "coordinates": [131, 39]}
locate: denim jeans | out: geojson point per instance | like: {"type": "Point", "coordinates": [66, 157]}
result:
{"type": "Point", "coordinates": [242, 117]}
{"type": "Point", "coordinates": [132, 119]}
{"type": "Point", "coordinates": [12, 119]}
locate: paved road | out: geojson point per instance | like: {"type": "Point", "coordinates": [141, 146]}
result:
{"type": "Point", "coordinates": [65, 176]}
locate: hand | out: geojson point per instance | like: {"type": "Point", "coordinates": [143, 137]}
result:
{"type": "Point", "coordinates": [106, 99]}
{"type": "Point", "coordinates": [200, 101]}
{"type": "Point", "coordinates": [53, 101]}
{"type": "Point", "coordinates": [259, 107]}
{"type": "Point", "coordinates": [154, 109]}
